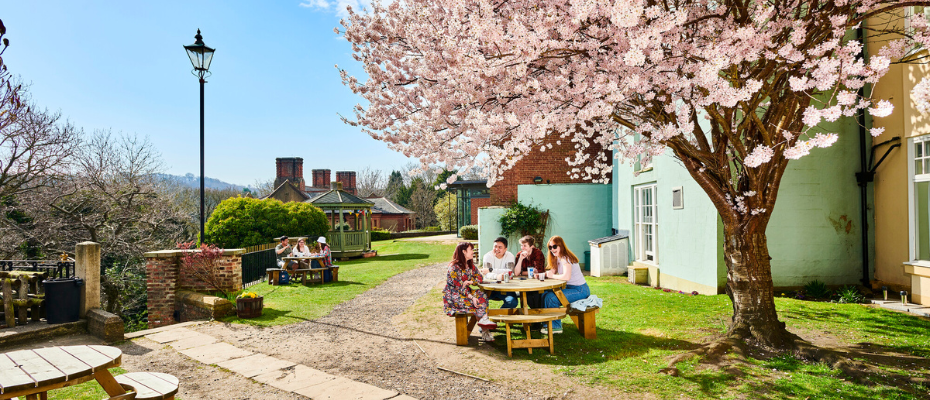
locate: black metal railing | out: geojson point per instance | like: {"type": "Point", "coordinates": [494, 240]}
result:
{"type": "Point", "coordinates": [55, 269]}
{"type": "Point", "coordinates": [255, 261]}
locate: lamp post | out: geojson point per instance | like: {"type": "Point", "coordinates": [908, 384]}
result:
{"type": "Point", "coordinates": [200, 56]}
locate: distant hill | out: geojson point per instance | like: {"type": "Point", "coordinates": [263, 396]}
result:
{"type": "Point", "coordinates": [193, 181]}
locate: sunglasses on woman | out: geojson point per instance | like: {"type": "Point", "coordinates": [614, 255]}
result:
{"type": "Point", "coordinates": [553, 246]}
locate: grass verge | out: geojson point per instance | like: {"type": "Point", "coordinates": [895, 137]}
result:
{"type": "Point", "coordinates": [293, 303]}
{"type": "Point", "coordinates": [640, 328]}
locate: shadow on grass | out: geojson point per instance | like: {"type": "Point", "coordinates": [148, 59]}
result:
{"type": "Point", "coordinates": [573, 349]}
{"type": "Point", "coordinates": [875, 322]}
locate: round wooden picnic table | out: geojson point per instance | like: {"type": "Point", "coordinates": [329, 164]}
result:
{"type": "Point", "coordinates": [31, 373]}
{"type": "Point", "coordinates": [522, 286]}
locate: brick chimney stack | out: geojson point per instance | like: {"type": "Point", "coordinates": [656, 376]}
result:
{"type": "Point", "coordinates": [290, 169]}
{"type": "Point", "coordinates": [321, 178]}
{"type": "Point", "coordinates": [347, 178]}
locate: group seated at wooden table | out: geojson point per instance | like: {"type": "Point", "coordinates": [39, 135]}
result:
{"type": "Point", "coordinates": [305, 262]}
{"type": "Point", "coordinates": [32, 373]}
{"type": "Point", "coordinates": [466, 297]}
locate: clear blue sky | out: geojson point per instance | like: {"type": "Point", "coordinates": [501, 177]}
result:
{"type": "Point", "coordinates": [274, 92]}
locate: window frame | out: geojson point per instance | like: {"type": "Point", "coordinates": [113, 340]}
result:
{"type": "Point", "coordinates": [913, 178]}
{"type": "Point", "coordinates": [639, 227]}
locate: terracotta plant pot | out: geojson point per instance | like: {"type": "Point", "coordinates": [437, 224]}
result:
{"type": "Point", "coordinates": [249, 308]}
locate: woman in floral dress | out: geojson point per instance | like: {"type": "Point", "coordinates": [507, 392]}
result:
{"type": "Point", "coordinates": [459, 297]}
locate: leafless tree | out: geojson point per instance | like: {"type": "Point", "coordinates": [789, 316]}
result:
{"type": "Point", "coordinates": [421, 201]}
{"type": "Point", "coordinates": [33, 143]}
{"type": "Point", "coordinates": [187, 199]}
{"type": "Point", "coordinates": [262, 188]}
{"type": "Point", "coordinates": [370, 183]}
{"type": "Point", "coordinates": [112, 196]}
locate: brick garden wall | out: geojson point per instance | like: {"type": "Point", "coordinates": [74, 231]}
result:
{"type": "Point", "coordinates": [164, 277]}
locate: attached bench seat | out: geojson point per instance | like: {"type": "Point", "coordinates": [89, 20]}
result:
{"type": "Point", "coordinates": [529, 343]}
{"type": "Point", "coordinates": [464, 324]}
{"type": "Point", "coordinates": [150, 385]}
{"type": "Point", "coordinates": [585, 321]}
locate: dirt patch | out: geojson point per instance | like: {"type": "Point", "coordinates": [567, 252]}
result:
{"type": "Point", "coordinates": [428, 326]}
{"type": "Point", "coordinates": [377, 338]}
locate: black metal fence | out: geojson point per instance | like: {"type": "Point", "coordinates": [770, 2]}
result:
{"type": "Point", "coordinates": [55, 269]}
{"type": "Point", "coordinates": [255, 261]}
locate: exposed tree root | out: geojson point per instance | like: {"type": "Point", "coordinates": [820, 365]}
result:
{"type": "Point", "coordinates": [743, 345]}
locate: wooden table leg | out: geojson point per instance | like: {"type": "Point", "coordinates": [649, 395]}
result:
{"type": "Point", "coordinates": [562, 299]}
{"type": "Point", "coordinates": [526, 330]}
{"type": "Point", "coordinates": [509, 342]}
{"type": "Point", "coordinates": [551, 336]}
{"type": "Point", "coordinates": [526, 307]}
{"type": "Point", "coordinates": [109, 384]}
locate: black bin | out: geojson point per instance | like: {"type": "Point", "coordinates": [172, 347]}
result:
{"type": "Point", "coordinates": [63, 300]}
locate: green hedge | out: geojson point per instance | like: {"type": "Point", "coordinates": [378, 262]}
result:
{"type": "Point", "coordinates": [380, 234]}
{"type": "Point", "coordinates": [469, 232]}
{"type": "Point", "coordinates": [242, 221]}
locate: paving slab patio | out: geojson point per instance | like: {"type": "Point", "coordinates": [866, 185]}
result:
{"type": "Point", "coordinates": [342, 388]}
{"type": "Point", "coordinates": [255, 364]}
{"type": "Point", "coordinates": [215, 353]}
{"type": "Point", "coordinates": [171, 335]}
{"type": "Point", "coordinates": [910, 308]}
{"type": "Point", "coordinates": [295, 378]}
{"type": "Point", "coordinates": [281, 374]}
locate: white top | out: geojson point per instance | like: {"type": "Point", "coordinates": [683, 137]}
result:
{"type": "Point", "coordinates": [296, 253]}
{"type": "Point", "coordinates": [498, 265]}
{"type": "Point", "coordinates": [577, 278]}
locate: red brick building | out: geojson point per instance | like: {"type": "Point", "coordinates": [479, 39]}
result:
{"type": "Point", "coordinates": [548, 167]}
{"type": "Point", "coordinates": [386, 214]}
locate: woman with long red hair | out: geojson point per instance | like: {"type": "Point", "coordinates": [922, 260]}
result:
{"type": "Point", "coordinates": [459, 297]}
{"type": "Point", "coordinates": [563, 264]}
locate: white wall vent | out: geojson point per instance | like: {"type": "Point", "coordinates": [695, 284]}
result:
{"type": "Point", "coordinates": [678, 201]}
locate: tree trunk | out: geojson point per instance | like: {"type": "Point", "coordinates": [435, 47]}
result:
{"type": "Point", "coordinates": [750, 287]}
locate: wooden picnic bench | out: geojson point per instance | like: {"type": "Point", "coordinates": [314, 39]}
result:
{"type": "Point", "coordinates": [150, 385]}
{"type": "Point", "coordinates": [585, 321]}
{"type": "Point", "coordinates": [529, 343]}
{"type": "Point", "coordinates": [32, 373]}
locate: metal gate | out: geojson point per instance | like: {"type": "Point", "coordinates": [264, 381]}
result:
{"type": "Point", "coordinates": [255, 261]}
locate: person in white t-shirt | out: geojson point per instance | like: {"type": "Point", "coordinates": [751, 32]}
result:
{"type": "Point", "coordinates": [495, 264]}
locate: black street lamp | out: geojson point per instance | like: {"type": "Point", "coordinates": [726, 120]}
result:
{"type": "Point", "coordinates": [200, 56]}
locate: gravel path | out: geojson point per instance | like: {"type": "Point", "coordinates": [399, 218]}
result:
{"type": "Point", "coordinates": [359, 340]}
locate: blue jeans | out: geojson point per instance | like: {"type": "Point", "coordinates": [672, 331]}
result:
{"type": "Point", "coordinates": [509, 298]}
{"type": "Point", "coordinates": [572, 294]}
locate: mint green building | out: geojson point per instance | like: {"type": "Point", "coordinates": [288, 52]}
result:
{"type": "Point", "coordinates": [578, 212]}
{"type": "Point", "coordinates": [815, 230]}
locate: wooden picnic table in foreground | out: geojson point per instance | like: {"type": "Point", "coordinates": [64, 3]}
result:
{"type": "Point", "coordinates": [32, 373]}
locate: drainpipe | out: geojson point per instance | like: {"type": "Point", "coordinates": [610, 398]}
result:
{"type": "Point", "coordinates": [865, 176]}
{"type": "Point", "coordinates": [867, 173]}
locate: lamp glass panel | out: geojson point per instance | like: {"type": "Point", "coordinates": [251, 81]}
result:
{"type": "Point", "coordinates": [207, 57]}
{"type": "Point", "coordinates": [195, 57]}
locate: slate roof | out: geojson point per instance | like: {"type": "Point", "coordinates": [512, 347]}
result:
{"type": "Point", "coordinates": [305, 194]}
{"type": "Point", "coordinates": [385, 206]}
{"type": "Point", "coordinates": [337, 197]}
{"type": "Point", "coordinates": [309, 194]}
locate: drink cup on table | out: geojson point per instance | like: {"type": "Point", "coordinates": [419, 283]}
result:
{"type": "Point", "coordinates": [530, 271]}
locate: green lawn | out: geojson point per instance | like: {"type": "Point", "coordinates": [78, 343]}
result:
{"type": "Point", "coordinates": [85, 391]}
{"type": "Point", "coordinates": [295, 303]}
{"type": "Point", "coordinates": [640, 328]}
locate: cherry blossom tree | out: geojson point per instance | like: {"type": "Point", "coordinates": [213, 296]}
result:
{"type": "Point", "coordinates": [735, 89]}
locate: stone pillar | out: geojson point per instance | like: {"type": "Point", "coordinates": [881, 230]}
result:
{"type": "Point", "coordinates": [87, 267]}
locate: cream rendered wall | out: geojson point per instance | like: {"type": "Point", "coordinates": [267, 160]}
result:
{"type": "Point", "coordinates": [891, 178]}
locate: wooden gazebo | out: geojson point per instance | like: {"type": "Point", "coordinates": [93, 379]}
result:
{"type": "Point", "coordinates": [349, 221]}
